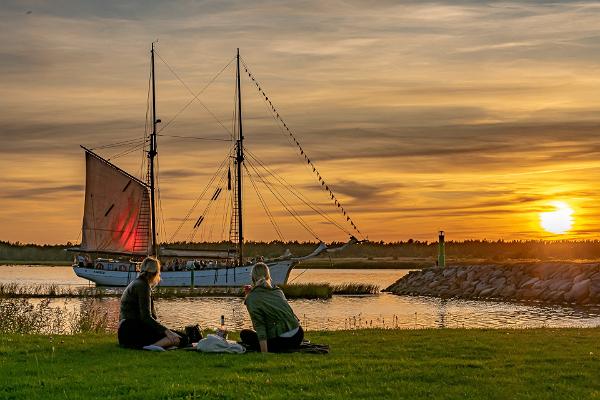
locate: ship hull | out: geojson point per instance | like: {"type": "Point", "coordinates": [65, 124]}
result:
{"type": "Point", "coordinates": [221, 277]}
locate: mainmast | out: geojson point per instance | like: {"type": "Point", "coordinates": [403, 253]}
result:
{"type": "Point", "coordinates": [151, 155]}
{"type": "Point", "coordinates": [239, 160]}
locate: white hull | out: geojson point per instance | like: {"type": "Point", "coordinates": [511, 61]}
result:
{"type": "Point", "coordinates": [238, 276]}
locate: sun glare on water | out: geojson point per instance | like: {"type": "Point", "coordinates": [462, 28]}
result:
{"type": "Point", "coordinates": [558, 221]}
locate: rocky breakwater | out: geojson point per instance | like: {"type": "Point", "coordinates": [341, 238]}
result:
{"type": "Point", "coordinates": [574, 283]}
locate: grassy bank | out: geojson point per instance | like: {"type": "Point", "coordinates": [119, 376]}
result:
{"type": "Point", "coordinates": [435, 364]}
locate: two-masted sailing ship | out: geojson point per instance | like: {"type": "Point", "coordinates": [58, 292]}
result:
{"type": "Point", "coordinates": [120, 221]}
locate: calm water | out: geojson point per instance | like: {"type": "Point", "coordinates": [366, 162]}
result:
{"type": "Point", "coordinates": [340, 312]}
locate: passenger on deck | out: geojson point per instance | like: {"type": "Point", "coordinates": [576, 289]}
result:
{"type": "Point", "coordinates": [138, 327]}
{"type": "Point", "coordinates": [276, 327]}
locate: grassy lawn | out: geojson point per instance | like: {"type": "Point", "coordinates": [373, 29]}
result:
{"type": "Point", "coordinates": [375, 364]}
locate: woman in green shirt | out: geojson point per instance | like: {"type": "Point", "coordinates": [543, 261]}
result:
{"type": "Point", "coordinates": [276, 327]}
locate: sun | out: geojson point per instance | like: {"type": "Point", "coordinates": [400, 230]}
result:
{"type": "Point", "coordinates": [560, 220]}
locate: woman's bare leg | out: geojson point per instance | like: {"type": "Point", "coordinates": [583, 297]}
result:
{"type": "Point", "coordinates": [166, 342]}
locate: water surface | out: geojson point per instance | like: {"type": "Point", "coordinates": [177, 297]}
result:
{"type": "Point", "coordinates": [340, 312]}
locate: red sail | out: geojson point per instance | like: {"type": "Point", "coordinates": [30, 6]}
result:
{"type": "Point", "coordinates": [117, 209]}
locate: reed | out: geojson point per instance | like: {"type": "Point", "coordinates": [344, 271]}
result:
{"type": "Point", "coordinates": [182, 292]}
{"type": "Point", "coordinates": [292, 291]}
{"type": "Point", "coordinates": [25, 316]}
{"type": "Point", "coordinates": [307, 290]}
{"type": "Point", "coordinates": [15, 290]}
{"type": "Point", "coordinates": [355, 289]}
{"type": "Point", "coordinates": [91, 317]}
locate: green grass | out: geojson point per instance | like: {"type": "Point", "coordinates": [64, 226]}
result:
{"type": "Point", "coordinates": [370, 364]}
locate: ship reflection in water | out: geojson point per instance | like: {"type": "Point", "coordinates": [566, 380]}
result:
{"type": "Point", "coordinates": [342, 312]}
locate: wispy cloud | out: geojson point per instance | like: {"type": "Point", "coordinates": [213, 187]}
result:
{"type": "Point", "coordinates": [457, 114]}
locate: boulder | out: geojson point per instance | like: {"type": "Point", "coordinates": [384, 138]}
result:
{"type": "Point", "coordinates": [580, 277]}
{"type": "Point", "coordinates": [498, 282]}
{"type": "Point", "coordinates": [579, 291]}
{"type": "Point", "coordinates": [508, 292]}
{"type": "Point", "coordinates": [461, 273]}
{"type": "Point", "coordinates": [480, 286]}
{"type": "Point", "coordinates": [529, 283]}
{"type": "Point", "coordinates": [449, 272]}
{"type": "Point", "coordinates": [555, 296]}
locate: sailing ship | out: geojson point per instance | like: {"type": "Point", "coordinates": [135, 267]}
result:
{"type": "Point", "coordinates": [120, 223]}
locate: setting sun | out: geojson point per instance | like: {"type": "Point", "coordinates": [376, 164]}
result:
{"type": "Point", "coordinates": [558, 221]}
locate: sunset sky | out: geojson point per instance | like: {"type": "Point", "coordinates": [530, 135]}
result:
{"type": "Point", "coordinates": [472, 117]}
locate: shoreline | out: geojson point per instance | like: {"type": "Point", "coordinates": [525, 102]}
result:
{"type": "Point", "coordinates": [342, 263]}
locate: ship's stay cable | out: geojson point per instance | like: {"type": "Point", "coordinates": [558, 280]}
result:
{"type": "Point", "coordinates": [296, 193]}
{"type": "Point", "coordinates": [128, 151]}
{"type": "Point", "coordinates": [147, 125]}
{"type": "Point", "coordinates": [264, 205]}
{"type": "Point", "coordinates": [194, 95]}
{"type": "Point", "coordinates": [207, 209]}
{"type": "Point", "coordinates": [195, 138]}
{"type": "Point", "coordinates": [161, 215]}
{"type": "Point", "coordinates": [227, 206]}
{"type": "Point", "coordinates": [282, 201]}
{"type": "Point", "coordinates": [201, 196]}
{"type": "Point", "coordinates": [303, 154]}
{"type": "Point", "coordinates": [121, 143]}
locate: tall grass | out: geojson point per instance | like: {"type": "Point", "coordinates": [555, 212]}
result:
{"type": "Point", "coordinates": [15, 290]}
{"type": "Point", "coordinates": [292, 290]}
{"type": "Point", "coordinates": [307, 290]}
{"type": "Point", "coordinates": [24, 316]}
{"type": "Point", "coordinates": [326, 290]}
{"type": "Point", "coordinates": [355, 288]}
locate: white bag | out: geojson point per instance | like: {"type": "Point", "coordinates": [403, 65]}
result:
{"type": "Point", "coordinates": [216, 344]}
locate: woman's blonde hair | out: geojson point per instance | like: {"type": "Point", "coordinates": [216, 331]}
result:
{"type": "Point", "coordinates": [150, 270]}
{"type": "Point", "coordinates": [261, 274]}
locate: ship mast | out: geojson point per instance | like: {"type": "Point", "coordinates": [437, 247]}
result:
{"type": "Point", "coordinates": [151, 155]}
{"type": "Point", "coordinates": [239, 160]}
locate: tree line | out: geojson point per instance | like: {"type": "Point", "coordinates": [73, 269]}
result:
{"type": "Point", "coordinates": [482, 249]}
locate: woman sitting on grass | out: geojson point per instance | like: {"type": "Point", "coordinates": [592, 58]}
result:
{"type": "Point", "coordinates": [276, 327]}
{"type": "Point", "coordinates": [138, 327]}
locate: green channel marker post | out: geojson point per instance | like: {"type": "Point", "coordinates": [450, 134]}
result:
{"type": "Point", "coordinates": [441, 250]}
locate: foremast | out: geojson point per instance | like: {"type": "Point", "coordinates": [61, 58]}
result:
{"type": "Point", "coordinates": [151, 156]}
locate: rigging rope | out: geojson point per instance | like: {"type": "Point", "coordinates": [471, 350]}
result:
{"type": "Point", "coordinates": [289, 208]}
{"type": "Point", "coordinates": [147, 124]}
{"type": "Point", "coordinates": [195, 96]}
{"type": "Point", "coordinates": [264, 205]}
{"type": "Point", "coordinates": [276, 115]}
{"type": "Point", "coordinates": [199, 198]}
{"type": "Point", "coordinates": [298, 194]}
{"type": "Point", "coordinates": [161, 220]}
{"type": "Point", "coordinates": [128, 151]}
{"type": "Point", "coordinates": [118, 144]}
{"type": "Point", "coordinates": [204, 213]}
{"type": "Point", "coordinates": [195, 138]}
